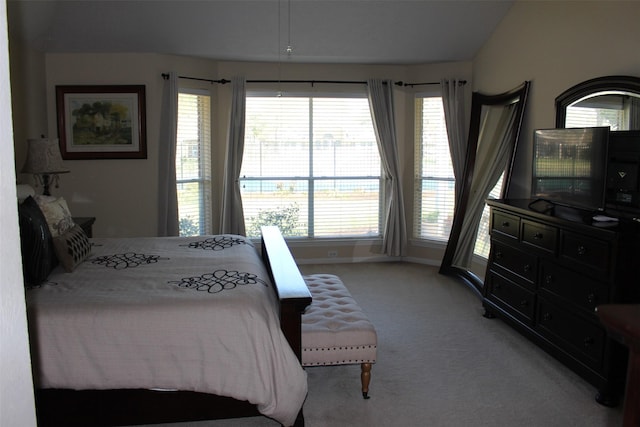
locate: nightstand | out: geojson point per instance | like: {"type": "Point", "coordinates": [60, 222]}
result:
{"type": "Point", "coordinates": [86, 223]}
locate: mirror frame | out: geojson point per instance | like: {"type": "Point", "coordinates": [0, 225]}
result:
{"type": "Point", "coordinates": [588, 87]}
{"type": "Point", "coordinates": [478, 100]}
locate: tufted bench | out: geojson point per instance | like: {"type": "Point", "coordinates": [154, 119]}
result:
{"type": "Point", "coordinates": [335, 330]}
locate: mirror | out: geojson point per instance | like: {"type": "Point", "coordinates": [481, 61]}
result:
{"type": "Point", "coordinates": [493, 133]}
{"type": "Point", "coordinates": [604, 101]}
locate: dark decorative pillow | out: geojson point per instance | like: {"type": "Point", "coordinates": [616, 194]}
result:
{"type": "Point", "coordinates": [38, 256]}
{"type": "Point", "coordinates": [72, 248]}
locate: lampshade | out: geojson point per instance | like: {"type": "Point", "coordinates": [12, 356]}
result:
{"type": "Point", "coordinates": [43, 157]}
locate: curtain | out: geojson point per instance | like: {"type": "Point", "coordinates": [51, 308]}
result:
{"type": "Point", "coordinates": [453, 104]}
{"type": "Point", "coordinates": [167, 192]}
{"type": "Point", "coordinates": [383, 115]}
{"type": "Point", "coordinates": [232, 220]}
{"type": "Point", "coordinates": [491, 160]}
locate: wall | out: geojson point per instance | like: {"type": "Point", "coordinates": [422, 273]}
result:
{"type": "Point", "coordinates": [122, 194]}
{"type": "Point", "coordinates": [16, 389]}
{"type": "Point", "coordinates": [555, 45]}
{"type": "Point", "coordinates": [28, 98]}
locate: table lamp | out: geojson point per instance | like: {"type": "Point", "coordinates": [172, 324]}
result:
{"type": "Point", "coordinates": [44, 162]}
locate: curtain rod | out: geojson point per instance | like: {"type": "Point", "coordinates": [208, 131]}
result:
{"type": "Point", "coordinates": [225, 81]}
{"type": "Point", "coordinates": [312, 82]}
{"type": "Point", "coordinates": [460, 82]}
{"type": "Point", "coordinates": [221, 81]}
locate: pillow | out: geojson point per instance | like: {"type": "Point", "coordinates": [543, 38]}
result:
{"type": "Point", "coordinates": [38, 256]}
{"type": "Point", "coordinates": [57, 214]}
{"type": "Point", "coordinates": [72, 248]}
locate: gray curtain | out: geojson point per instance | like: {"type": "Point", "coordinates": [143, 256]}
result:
{"type": "Point", "coordinates": [232, 220]}
{"type": "Point", "coordinates": [492, 155]}
{"type": "Point", "coordinates": [453, 104]}
{"type": "Point", "coordinates": [167, 193]}
{"type": "Point", "coordinates": [382, 111]}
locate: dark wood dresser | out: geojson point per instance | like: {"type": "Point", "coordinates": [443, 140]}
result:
{"type": "Point", "coordinates": [546, 274]}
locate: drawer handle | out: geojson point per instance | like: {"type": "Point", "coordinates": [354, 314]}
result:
{"type": "Point", "coordinates": [549, 279]}
{"type": "Point", "coordinates": [505, 223]}
{"type": "Point", "coordinates": [581, 250]}
{"type": "Point", "coordinates": [527, 268]}
{"type": "Point", "coordinates": [524, 303]}
{"type": "Point", "coordinates": [538, 236]}
{"type": "Point", "coordinates": [498, 254]}
{"type": "Point", "coordinates": [591, 298]}
{"type": "Point", "coordinates": [547, 317]}
{"type": "Point", "coordinates": [588, 341]}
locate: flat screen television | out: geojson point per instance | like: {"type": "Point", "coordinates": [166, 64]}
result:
{"type": "Point", "coordinates": [570, 167]}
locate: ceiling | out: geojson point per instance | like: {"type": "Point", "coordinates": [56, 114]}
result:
{"type": "Point", "coordinates": [319, 31]}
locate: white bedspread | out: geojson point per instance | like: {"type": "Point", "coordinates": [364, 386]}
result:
{"type": "Point", "coordinates": [195, 314]}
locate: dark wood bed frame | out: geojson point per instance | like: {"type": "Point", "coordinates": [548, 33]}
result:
{"type": "Point", "coordinates": [68, 408]}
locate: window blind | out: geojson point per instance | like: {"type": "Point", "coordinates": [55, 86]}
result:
{"type": "Point", "coordinates": [434, 195]}
{"type": "Point", "coordinates": [311, 166]}
{"type": "Point", "coordinates": [193, 162]}
{"type": "Point", "coordinates": [483, 242]}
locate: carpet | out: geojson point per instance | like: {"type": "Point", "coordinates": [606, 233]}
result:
{"type": "Point", "coordinates": [440, 363]}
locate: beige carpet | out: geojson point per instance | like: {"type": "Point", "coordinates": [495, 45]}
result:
{"type": "Point", "coordinates": [440, 363]}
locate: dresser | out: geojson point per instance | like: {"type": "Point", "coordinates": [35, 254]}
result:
{"type": "Point", "coordinates": [547, 273]}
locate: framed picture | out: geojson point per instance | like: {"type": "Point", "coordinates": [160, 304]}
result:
{"type": "Point", "coordinates": [102, 122]}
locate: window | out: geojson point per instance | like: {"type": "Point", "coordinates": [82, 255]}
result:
{"type": "Point", "coordinates": [311, 166]}
{"type": "Point", "coordinates": [434, 197]}
{"type": "Point", "coordinates": [193, 162]}
{"type": "Point", "coordinates": [483, 239]}
{"type": "Point", "coordinates": [604, 109]}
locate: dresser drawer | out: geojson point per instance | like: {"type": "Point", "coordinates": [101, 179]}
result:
{"type": "Point", "coordinates": [540, 236]}
{"type": "Point", "coordinates": [570, 331]}
{"type": "Point", "coordinates": [505, 224]}
{"type": "Point", "coordinates": [582, 291]}
{"type": "Point", "coordinates": [522, 264]}
{"type": "Point", "coordinates": [586, 252]}
{"type": "Point", "coordinates": [511, 297]}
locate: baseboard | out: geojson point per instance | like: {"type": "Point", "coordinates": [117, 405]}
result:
{"type": "Point", "coordinates": [378, 258]}
{"type": "Point", "coordinates": [349, 260]}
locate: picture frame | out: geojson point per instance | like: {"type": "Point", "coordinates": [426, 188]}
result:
{"type": "Point", "coordinates": [101, 122]}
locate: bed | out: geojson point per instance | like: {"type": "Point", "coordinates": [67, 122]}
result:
{"type": "Point", "coordinates": [154, 330]}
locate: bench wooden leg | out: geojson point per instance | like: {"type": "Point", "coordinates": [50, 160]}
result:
{"type": "Point", "coordinates": [365, 378]}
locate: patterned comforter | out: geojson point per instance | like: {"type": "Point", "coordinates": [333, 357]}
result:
{"type": "Point", "coordinates": [195, 314]}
